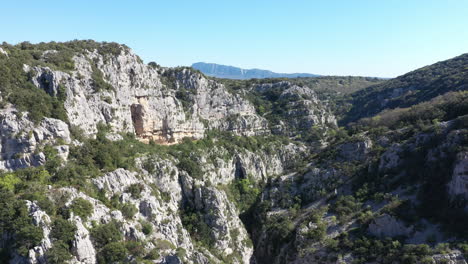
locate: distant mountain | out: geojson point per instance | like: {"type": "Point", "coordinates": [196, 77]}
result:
{"type": "Point", "coordinates": [230, 72]}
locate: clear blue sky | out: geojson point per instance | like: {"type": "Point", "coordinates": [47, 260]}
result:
{"type": "Point", "coordinates": [349, 37]}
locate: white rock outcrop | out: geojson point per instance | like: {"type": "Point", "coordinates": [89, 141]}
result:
{"type": "Point", "coordinates": [82, 247]}
{"type": "Point", "coordinates": [355, 151]}
{"type": "Point", "coordinates": [304, 110]}
{"type": "Point", "coordinates": [21, 139]}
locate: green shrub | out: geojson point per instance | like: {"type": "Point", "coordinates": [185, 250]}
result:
{"type": "Point", "coordinates": [191, 167]}
{"type": "Point", "coordinates": [184, 96]}
{"type": "Point", "coordinates": [134, 248]}
{"type": "Point", "coordinates": [34, 174]}
{"type": "Point", "coordinates": [135, 190]}
{"type": "Point", "coordinates": [244, 192]}
{"type": "Point", "coordinates": [106, 233]}
{"type": "Point", "coordinates": [16, 85]}
{"type": "Point", "coordinates": [63, 230]}
{"type": "Point", "coordinates": [74, 174]}
{"type": "Point", "coordinates": [146, 228]}
{"type": "Point", "coordinates": [181, 252]}
{"type": "Point", "coordinates": [345, 207]}
{"type": "Point", "coordinates": [37, 193]}
{"type": "Point", "coordinates": [153, 254]}
{"type": "Point", "coordinates": [163, 245]}
{"type": "Point", "coordinates": [27, 235]}
{"type": "Point", "coordinates": [98, 80]}
{"type": "Point", "coordinates": [129, 210]}
{"type": "Point", "coordinates": [62, 59]}
{"type": "Point", "coordinates": [319, 232]}
{"type": "Point", "coordinates": [149, 164]}
{"type": "Point", "coordinates": [8, 181]}
{"type": "Point", "coordinates": [199, 231]}
{"type": "Point", "coordinates": [58, 254]}
{"type": "Point", "coordinates": [82, 208]}
{"type": "Point", "coordinates": [112, 253]}
{"type": "Point", "coordinates": [15, 220]}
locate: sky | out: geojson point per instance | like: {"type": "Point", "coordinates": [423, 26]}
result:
{"type": "Point", "coordinates": [383, 38]}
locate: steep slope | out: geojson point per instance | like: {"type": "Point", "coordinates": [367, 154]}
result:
{"type": "Point", "coordinates": [230, 72]}
{"type": "Point", "coordinates": [372, 198]}
{"type": "Point", "coordinates": [412, 88]}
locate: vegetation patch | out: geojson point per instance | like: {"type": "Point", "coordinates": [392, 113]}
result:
{"type": "Point", "coordinates": [81, 207]}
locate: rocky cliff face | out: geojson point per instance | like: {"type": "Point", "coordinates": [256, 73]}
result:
{"type": "Point", "coordinates": [298, 107]}
{"type": "Point", "coordinates": [163, 194]}
{"type": "Point", "coordinates": [23, 142]}
{"type": "Point", "coordinates": [163, 105]}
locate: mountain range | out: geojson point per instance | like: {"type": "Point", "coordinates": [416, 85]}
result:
{"type": "Point", "coordinates": [231, 72]}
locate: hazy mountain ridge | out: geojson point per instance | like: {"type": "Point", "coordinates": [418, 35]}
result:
{"type": "Point", "coordinates": [231, 72]}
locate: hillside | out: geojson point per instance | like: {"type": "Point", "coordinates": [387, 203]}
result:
{"type": "Point", "coordinates": [106, 159]}
{"type": "Point", "coordinates": [230, 72]}
{"type": "Point", "coordinates": [411, 88]}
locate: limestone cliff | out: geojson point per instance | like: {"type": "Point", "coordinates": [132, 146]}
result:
{"type": "Point", "coordinates": [159, 104]}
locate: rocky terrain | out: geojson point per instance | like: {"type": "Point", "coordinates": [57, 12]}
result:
{"type": "Point", "coordinates": [106, 159]}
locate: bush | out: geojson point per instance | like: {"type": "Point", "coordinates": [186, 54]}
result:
{"type": "Point", "coordinates": [15, 220]}
{"type": "Point", "coordinates": [62, 59]}
{"type": "Point", "coordinates": [63, 230]}
{"type": "Point", "coordinates": [106, 233]}
{"type": "Point", "coordinates": [113, 252]}
{"type": "Point", "coordinates": [196, 226]}
{"type": "Point", "coordinates": [129, 210]}
{"type": "Point", "coordinates": [318, 232]}
{"type": "Point", "coordinates": [16, 85]}
{"type": "Point", "coordinates": [134, 248]}
{"type": "Point", "coordinates": [37, 193]}
{"type": "Point", "coordinates": [58, 254]}
{"type": "Point", "coordinates": [153, 254]}
{"type": "Point", "coordinates": [244, 192]}
{"type": "Point", "coordinates": [191, 167]}
{"type": "Point", "coordinates": [181, 252]}
{"type": "Point", "coordinates": [149, 164]}
{"type": "Point", "coordinates": [27, 236]}
{"type": "Point", "coordinates": [135, 190]}
{"type": "Point", "coordinates": [8, 181]}
{"type": "Point", "coordinates": [82, 208]}
{"type": "Point", "coordinates": [345, 207]}
{"type": "Point", "coordinates": [37, 174]}
{"type": "Point", "coordinates": [98, 80]}
{"type": "Point", "coordinates": [74, 174]}
{"type": "Point", "coordinates": [443, 107]}
{"type": "Point", "coordinates": [146, 228]}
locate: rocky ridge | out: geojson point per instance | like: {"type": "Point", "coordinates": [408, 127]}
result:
{"type": "Point", "coordinates": [142, 99]}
